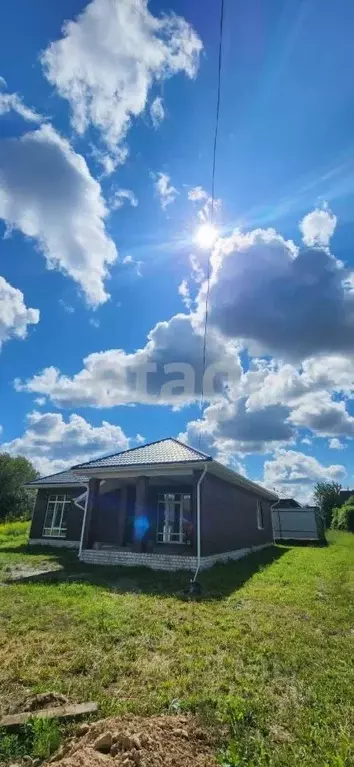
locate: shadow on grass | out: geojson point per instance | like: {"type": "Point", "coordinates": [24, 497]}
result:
{"type": "Point", "coordinates": [216, 583]}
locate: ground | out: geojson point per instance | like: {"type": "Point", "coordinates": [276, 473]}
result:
{"type": "Point", "coordinates": [268, 649]}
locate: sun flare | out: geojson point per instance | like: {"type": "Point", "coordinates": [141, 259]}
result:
{"type": "Point", "coordinates": [206, 236]}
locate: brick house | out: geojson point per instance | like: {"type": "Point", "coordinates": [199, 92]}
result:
{"type": "Point", "coordinates": [164, 505]}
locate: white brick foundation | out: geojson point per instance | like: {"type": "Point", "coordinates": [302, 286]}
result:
{"type": "Point", "coordinates": [61, 543]}
{"type": "Point", "coordinates": [161, 561]}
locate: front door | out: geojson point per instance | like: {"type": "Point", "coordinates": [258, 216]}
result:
{"type": "Point", "coordinates": [174, 517]}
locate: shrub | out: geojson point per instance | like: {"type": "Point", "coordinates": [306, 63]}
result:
{"type": "Point", "coordinates": [343, 516]}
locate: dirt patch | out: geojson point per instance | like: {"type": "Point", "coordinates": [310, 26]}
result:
{"type": "Point", "coordinates": [22, 572]}
{"type": "Point", "coordinates": [132, 741]}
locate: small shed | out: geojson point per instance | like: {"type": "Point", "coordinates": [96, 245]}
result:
{"type": "Point", "coordinates": [292, 522]}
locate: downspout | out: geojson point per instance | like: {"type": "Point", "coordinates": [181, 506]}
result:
{"type": "Point", "coordinates": [85, 515]}
{"type": "Point", "coordinates": [84, 522]}
{"type": "Point", "coordinates": [200, 480]}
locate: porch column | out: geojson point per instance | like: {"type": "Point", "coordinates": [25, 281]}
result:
{"type": "Point", "coordinates": [123, 510]}
{"type": "Point", "coordinates": [141, 517]}
{"type": "Point", "coordinates": [91, 511]}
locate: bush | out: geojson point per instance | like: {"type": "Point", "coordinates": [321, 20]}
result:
{"type": "Point", "coordinates": [343, 516]}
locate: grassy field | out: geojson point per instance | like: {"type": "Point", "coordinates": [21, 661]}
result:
{"type": "Point", "coordinates": [268, 649]}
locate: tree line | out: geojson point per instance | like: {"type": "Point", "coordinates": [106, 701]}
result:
{"type": "Point", "coordinates": [16, 500]}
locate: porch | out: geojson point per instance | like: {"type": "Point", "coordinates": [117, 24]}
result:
{"type": "Point", "coordinates": [140, 515]}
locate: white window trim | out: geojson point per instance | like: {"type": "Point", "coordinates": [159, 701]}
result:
{"type": "Point", "coordinates": [165, 535]}
{"type": "Point", "coordinates": [260, 516]}
{"type": "Point", "coordinates": [58, 531]}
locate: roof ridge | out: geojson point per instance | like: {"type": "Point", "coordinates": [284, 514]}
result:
{"type": "Point", "coordinates": [140, 447]}
{"type": "Point", "coordinates": [185, 444]}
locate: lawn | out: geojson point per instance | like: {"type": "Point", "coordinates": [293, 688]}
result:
{"type": "Point", "coordinates": [268, 648]}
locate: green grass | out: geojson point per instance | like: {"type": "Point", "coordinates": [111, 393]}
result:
{"type": "Point", "coordinates": [268, 649]}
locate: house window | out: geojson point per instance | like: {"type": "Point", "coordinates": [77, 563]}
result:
{"type": "Point", "coordinates": [174, 522]}
{"type": "Point", "coordinates": [260, 520]}
{"type": "Point", "coordinates": [56, 516]}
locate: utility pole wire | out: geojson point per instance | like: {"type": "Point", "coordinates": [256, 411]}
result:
{"type": "Point", "coordinates": [216, 133]}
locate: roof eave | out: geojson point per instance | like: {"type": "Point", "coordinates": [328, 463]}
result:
{"type": "Point", "coordinates": [55, 484]}
{"type": "Point", "coordinates": [139, 469]}
{"type": "Point", "coordinates": [237, 479]}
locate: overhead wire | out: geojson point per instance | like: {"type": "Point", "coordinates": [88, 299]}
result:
{"type": "Point", "coordinates": [212, 209]}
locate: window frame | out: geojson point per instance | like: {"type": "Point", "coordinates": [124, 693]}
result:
{"type": "Point", "coordinates": [260, 516]}
{"type": "Point", "coordinates": [179, 497]}
{"type": "Point", "coordinates": [56, 530]}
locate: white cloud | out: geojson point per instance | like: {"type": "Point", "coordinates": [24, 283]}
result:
{"type": "Point", "coordinates": [164, 189]}
{"type": "Point", "coordinates": [335, 444]}
{"type": "Point", "coordinates": [94, 322]}
{"type": "Point", "coordinates": [197, 194]}
{"type": "Point", "coordinates": [15, 317]}
{"type": "Point", "coordinates": [129, 260]}
{"type": "Point", "coordinates": [3, 83]}
{"type": "Point", "coordinates": [40, 401]}
{"type": "Point", "coordinates": [157, 111]}
{"type": "Point", "coordinates": [228, 428]}
{"type": "Point", "coordinates": [279, 300]}
{"type": "Point", "coordinates": [184, 292]}
{"type": "Point", "coordinates": [120, 196]}
{"type": "Point", "coordinates": [323, 415]}
{"type": "Point", "coordinates": [318, 227]}
{"type": "Point", "coordinates": [67, 307]}
{"type": "Point", "coordinates": [293, 474]}
{"type": "Point", "coordinates": [307, 392]}
{"type": "Point", "coordinates": [53, 444]}
{"type": "Point", "coordinates": [48, 193]}
{"type": "Point", "coordinates": [114, 377]}
{"type": "Point", "coordinates": [277, 384]}
{"type": "Point", "coordinates": [12, 102]}
{"type": "Point", "coordinates": [110, 56]}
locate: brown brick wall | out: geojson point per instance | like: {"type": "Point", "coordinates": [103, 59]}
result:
{"type": "Point", "coordinates": [229, 517]}
{"type": "Point", "coordinates": [75, 516]}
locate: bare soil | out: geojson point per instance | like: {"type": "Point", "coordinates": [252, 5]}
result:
{"type": "Point", "coordinates": [133, 741]}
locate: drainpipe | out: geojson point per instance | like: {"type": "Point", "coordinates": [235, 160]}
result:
{"type": "Point", "coordinates": [200, 480]}
{"type": "Point", "coordinates": [84, 522]}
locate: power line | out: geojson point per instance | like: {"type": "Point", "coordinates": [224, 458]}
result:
{"type": "Point", "coordinates": [216, 133]}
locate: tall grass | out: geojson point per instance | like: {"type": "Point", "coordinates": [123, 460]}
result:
{"type": "Point", "coordinates": [12, 532]}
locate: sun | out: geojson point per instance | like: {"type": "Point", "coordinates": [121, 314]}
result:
{"type": "Point", "coordinates": [206, 236]}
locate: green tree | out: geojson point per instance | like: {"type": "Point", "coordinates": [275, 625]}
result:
{"type": "Point", "coordinates": [326, 495]}
{"type": "Point", "coordinates": [15, 499]}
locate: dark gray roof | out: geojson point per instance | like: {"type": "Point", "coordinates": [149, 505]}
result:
{"type": "Point", "coordinates": [62, 478]}
{"type": "Point", "coordinates": [164, 451]}
{"type": "Point", "coordinates": [286, 503]}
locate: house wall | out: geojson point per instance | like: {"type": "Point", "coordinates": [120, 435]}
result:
{"type": "Point", "coordinates": [118, 499]}
{"type": "Point", "coordinates": [106, 528]}
{"type": "Point", "coordinates": [229, 517]}
{"type": "Point", "coordinates": [75, 515]}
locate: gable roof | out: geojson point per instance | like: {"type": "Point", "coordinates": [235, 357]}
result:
{"type": "Point", "coordinates": [61, 478]}
{"type": "Point", "coordinates": [164, 451]}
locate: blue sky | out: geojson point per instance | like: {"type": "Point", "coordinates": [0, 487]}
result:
{"type": "Point", "coordinates": [107, 115]}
